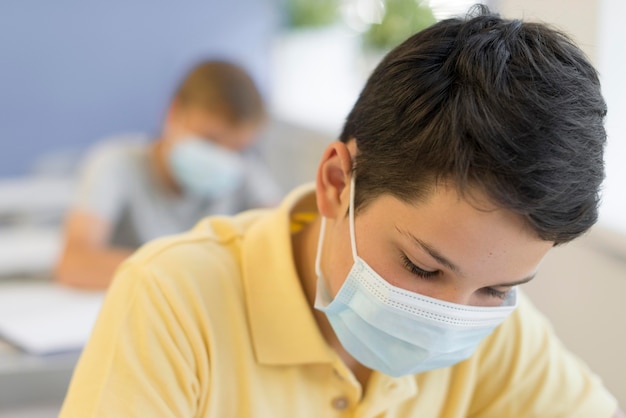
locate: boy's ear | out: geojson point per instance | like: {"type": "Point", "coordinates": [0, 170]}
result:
{"type": "Point", "coordinates": [333, 179]}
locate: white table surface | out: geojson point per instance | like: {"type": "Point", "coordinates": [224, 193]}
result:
{"type": "Point", "coordinates": [33, 385]}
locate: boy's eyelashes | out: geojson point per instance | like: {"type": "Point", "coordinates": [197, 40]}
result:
{"type": "Point", "coordinates": [418, 271]}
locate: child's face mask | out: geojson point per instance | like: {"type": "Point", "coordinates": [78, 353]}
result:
{"type": "Point", "coordinates": [205, 169]}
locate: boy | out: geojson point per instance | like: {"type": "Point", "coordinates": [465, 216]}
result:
{"type": "Point", "coordinates": [390, 288]}
{"type": "Point", "coordinates": [133, 190]}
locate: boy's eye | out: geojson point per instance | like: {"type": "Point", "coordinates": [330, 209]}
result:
{"type": "Point", "coordinates": [427, 274]}
{"type": "Point", "coordinates": [424, 274]}
{"type": "Point", "coordinates": [500, 294]}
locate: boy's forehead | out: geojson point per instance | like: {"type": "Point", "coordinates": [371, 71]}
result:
{"type": "Point", "coordinates": [473, 237]}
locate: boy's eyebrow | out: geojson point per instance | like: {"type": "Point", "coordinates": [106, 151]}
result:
{"type": "Point", "coordinates": [516, 283]}
{"type": "Point", "coordinates": [449, 264]}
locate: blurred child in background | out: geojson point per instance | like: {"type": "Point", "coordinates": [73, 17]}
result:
{"type": "Point", "coordinates": [133, 189]}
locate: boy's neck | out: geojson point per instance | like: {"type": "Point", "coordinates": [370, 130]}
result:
{"type": "Point", "coordinates": [304, 247]}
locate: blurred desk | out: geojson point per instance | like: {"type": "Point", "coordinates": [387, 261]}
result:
{"type": "Point", "coordinates": [30, 240]}
{"type": "Point", "coordinates": [50, 320]}
{"type": "Point", "coordinates": [31, 213]}
{"type": "Point", "coordinates": [28, 250]}
{"type": "Point", "coordinates": [27, 380]}
{"type": "Point", "coordinates": [35, 193]}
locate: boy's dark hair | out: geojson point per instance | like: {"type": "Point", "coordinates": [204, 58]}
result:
{"type": "Point", "coordinates": [512, 109]}
{"type": "Point", "coordinates": [222, 88]}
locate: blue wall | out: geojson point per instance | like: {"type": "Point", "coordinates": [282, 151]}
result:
{"type": "Point", "coordinates": [72, 71]}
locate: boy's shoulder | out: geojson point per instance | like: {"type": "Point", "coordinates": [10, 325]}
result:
{"type": "Point", "coordinates": [213, 242]}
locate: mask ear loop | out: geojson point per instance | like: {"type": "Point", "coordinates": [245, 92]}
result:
{"type": "Point", "coordinates": [351, 217]}
{"type": "Point", "coordinates": [320, 240]}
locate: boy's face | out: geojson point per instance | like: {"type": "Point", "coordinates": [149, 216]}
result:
{"type": "Point", "coordinates": [445, 247]}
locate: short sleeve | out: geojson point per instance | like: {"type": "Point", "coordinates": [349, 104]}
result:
{"type": "Point", "coordinates": [139, 361]}
{"type": "Point", "coordinates": [525, 371]}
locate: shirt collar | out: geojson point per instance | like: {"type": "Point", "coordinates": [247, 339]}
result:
{"type": "Point", "coordinates": [282, 325]}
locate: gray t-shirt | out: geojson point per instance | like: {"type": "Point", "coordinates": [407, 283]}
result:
{"type": "Point", "coordinates": [119, 184]}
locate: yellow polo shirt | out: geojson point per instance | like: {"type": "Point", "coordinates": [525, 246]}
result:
{"type": "Point", "coordinates": [213, 323]}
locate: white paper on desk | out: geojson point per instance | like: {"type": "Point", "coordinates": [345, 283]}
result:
{"type": "Point", "coordinates": [45, 318]}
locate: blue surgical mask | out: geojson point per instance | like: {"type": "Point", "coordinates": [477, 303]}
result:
{"type": "Point", "coordinates": [398, 332]}
{"type": "Point", "coordinates": [205, 169]}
